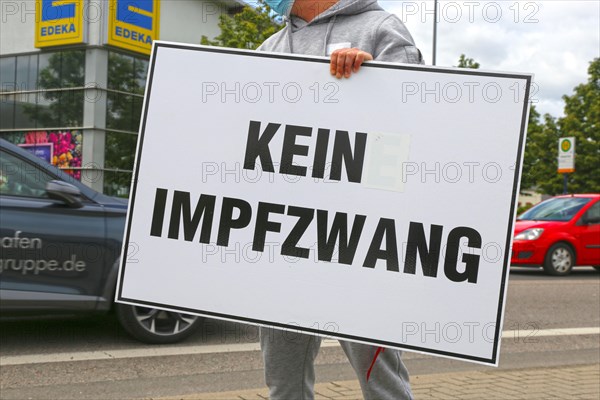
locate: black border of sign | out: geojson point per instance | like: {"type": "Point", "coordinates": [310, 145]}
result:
{"type": "Point", "coordinates": [509, 234]}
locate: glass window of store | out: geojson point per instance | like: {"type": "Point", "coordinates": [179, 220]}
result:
{"type": "Point", "coordinates": [126, 85]}
{"type": "Point", "coordinates": [7, 101]}
{"type": "Point", "coordinates": [42, 102]}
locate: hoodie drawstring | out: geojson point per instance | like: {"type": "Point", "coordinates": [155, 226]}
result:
{"type": "Point", "coordinates": [329, 29]}
{"type": "Point", "coordinates": [288, 33]}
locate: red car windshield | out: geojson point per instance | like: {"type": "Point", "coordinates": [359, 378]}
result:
{"type": "Point", "coordinates": [557, 209]}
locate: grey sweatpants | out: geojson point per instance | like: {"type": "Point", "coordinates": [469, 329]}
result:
{"type": "Point", "coordinates": [290, 373]}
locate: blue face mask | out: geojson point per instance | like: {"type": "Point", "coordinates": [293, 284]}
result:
{"type": "Point", "coordinates": [281, 7]}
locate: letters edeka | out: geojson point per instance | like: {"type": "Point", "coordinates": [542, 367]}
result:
{"type": "Point", "coordinates": [346, 231]}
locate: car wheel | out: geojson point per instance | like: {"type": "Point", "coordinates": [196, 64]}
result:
{"type": "Point", "coordinates": [559, 260]}
{"type": "Point", "coordinates": [154, 326]}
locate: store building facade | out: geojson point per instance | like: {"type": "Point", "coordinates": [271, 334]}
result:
{"type": "Point", "coordinates": [73, 75]}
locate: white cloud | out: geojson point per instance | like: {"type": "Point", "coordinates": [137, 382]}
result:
{"type": "Point", "coordinates": [555, 40]}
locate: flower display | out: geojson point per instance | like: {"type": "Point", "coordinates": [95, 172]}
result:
{"type": "Point", "coordinates": [66, 147]}
{"type": "Point", "coordinates": [67, 151]}
{"type": "Point", "coordinates": [36, 137]}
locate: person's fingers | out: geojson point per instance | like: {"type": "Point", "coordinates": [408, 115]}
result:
{"type": "Point", "coordinates": [349, 62]}
{"type": "Point", "coordinates": [341, 63]}
{"type": "Point", "coordinates": [333, 63]}
{"type": "Point", "coordinates": [335, 60]}
{"type": "Point", "coordinates": [361, 57]}
{"type": "Point", "coordinates": [346, 61]}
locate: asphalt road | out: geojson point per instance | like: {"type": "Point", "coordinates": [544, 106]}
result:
{"type": "Point", "coordinates": [92, 358]}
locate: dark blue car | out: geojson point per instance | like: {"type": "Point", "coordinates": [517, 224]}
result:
{"type": "Point", "coordinates": [60, 245]}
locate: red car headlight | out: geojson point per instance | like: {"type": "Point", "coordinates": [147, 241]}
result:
{"type": "Point", "coordinates": [530, 234]}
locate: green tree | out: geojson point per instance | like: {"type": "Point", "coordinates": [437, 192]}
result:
{"type": "Point", "coordinates": [246, 29]}
{"type": "Point", "coordinates": [540, 163]}
{"type": "Point", "coordinates": [582, 121]}
{"type": "Point", "coordinates": [530, 158]}
{"type": "Point", "coordinates": [464, 62]}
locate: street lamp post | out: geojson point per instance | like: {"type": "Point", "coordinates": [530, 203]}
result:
{"type": "Point", "coordinates": [435, 4]}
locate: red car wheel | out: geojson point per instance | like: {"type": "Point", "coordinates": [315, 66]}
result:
{"type": "Point", "coordinates": [559, 260]}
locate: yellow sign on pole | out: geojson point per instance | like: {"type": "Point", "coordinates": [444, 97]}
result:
{"type": "Point", "coordinates": [133, 24]}
{"type": "Point", "coordinates": [58, 22]}
{"type": "Point", "coordinates": [566, 155]}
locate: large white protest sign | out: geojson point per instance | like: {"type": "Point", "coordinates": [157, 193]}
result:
{"type": "Point", "coordinates": [377, 209]}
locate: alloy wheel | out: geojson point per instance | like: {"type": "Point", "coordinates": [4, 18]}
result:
{"type": "Point", "coordinates": [161, 322]}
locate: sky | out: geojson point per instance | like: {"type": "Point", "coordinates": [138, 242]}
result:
{"type": "Point", "coordinates": [555, 40]}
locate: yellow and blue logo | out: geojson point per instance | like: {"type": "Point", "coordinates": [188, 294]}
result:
{"type": "Point", "coordinates": [133, 24]}
{"type": "Point", "coordinates": [58, 22]}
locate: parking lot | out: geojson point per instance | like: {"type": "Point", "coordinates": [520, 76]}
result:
{"type": "Point", "coordinates": [549, 322]}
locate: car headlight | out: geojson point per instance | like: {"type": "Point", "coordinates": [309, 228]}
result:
{"type": "Point", "coordinates": [530, 234]}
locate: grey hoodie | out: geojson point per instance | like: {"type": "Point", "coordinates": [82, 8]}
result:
{"type": "Point", "coordinates": [349, 23]}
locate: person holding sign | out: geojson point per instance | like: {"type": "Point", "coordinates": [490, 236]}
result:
{"type": "Point", "coordinates": [350, 32]}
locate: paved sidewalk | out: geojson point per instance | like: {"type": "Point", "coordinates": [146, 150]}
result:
{"type": "Point", "coordinates": [573, 382]}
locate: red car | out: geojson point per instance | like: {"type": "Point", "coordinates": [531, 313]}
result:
{"type": "Point", "coordinates": [559, 233]}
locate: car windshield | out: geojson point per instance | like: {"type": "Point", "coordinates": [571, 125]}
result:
{"type": "Point", "coordinates": [557, 209]}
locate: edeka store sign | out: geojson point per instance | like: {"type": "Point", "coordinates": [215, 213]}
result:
{"type": "Point", "coordinates": [58, 22]}
{"type": "Point", "coordinates": [133, 24]}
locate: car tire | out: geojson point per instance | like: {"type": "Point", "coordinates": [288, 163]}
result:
{"type": "Point", "coordinates": [559, 260]}
{"type": "Point", "coordinates": [153, 326]}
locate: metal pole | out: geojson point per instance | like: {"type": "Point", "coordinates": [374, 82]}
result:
{"type": "Point", "coordinates": [565, 179]}
{"type": "Point", "coordinates": [435, 13]}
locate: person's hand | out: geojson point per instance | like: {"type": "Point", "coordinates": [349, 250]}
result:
{"type": "Point", "coordinates": [346, 61]}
